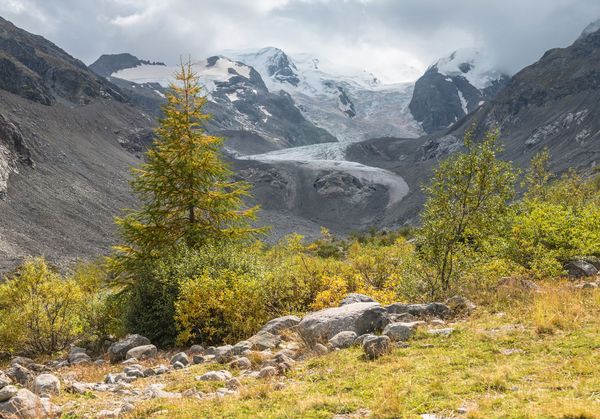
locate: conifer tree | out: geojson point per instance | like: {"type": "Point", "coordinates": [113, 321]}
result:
{"type": "Point", "coordinates": [186, 192]}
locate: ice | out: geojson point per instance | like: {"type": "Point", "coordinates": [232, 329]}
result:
{"type": "Point", "coordinates": [463, 102]}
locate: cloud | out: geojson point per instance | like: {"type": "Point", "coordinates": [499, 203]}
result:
{"type": "Point", "coordinates": [395, 39]}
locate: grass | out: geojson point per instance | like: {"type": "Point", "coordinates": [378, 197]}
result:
{"type": "Point", "coordinates": [538, 358]}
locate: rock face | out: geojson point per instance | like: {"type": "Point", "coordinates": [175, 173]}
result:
{"type": "Point", "coordinates": [118, 350]}
{"type": "Point", "coordinates": [359, 318]}
{"type": "Point", "coordinates": [453, 87]}
{"type": "Point", "coordinates": [38, 70]}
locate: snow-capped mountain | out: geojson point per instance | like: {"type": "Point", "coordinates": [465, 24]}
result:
{"type": "Point", "coordinates": [453, 87]}
{"type": "Point", "coordinates": [252, 118]}
{"type": "Point", "coordinates": [353, 106]}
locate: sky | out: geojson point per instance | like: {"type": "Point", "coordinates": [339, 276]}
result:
{"type": "Point", "coordinates": [395, 39]}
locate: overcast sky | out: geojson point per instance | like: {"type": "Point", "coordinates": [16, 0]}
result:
{"type": "Point", "coordinates": [395, 39]}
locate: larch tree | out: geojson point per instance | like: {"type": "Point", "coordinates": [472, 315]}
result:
{"type": "Point", "coordinates": [186, 190]}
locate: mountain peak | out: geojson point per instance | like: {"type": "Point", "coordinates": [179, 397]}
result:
{"type": "Point", "coordinates": [590, 29]}
{"type": "Point", "coordinates": [470, 63]}
{"type": "Point", "coordinates": [108, 64]}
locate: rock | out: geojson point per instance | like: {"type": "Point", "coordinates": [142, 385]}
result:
{"type": "Point", "coordinates": [78, 356]}
{"type": "Point", "coordinates": [267, 372]}
{"type": "Point", "coordinates": [420, 310]}
{"type": "Point", "coordinates": [7, 392]}
{"type": "Point", "coordinates": [130, 361]}
{"type": "Point", "coordinates": [221, 375]}
{"type": "Point", "coordinates": [402, 317]}
{"type": "Point", "coordinates": [211, 350]}
{"type": "Point", "coordinates": [278, 325]}
{"type": "Point", "coordinates": [161, 369]}
{"type": "Point", "coordinates": [343, 340]}
{"type": "Point", "coordinates": [116, 378]}
{"type": "Point", "coordinates": [265, 340]}
{"type": "Point", "coordinates": [223, 353]}
{"type": "Point", "coordinates": [376, 346]}
{"type": "Point", "coordinates": [197, 359]}
{"type": "Point", "coordinates": [20, 374]}
{"type": "Point", "coordinates": [46, 385]}
{"type": "Point", "coordinates": [360, 340]}
{"type": "Point", "coordinates": [359, 318]}
{"type": "Point", "coordinates": [441, 332]}
{"type": "Point", "coordinates": [155, 391]}
{"type": "Point", "coordinates": [149, 372]}
{"type": "Point", "coordinates": [242, 363]}
{"type": "Point", "coordinates": [240, 347]}
{"type": "Point", "coordinates": [320, 349]}
{"type": "Point", "coordinates": [178, 366]}
{"type": "Point", "coordinates": [26, 405]}
{"type": "Point", "coordinates": [22, 361]}
{"type": "Point", "coordinates": [579, 268]}
{"type": "Point", "coordinates": [4, 380]}
{"type": "Point", "coordinates": [460, 305]}
{"type": "Point", "coordinates": [437, 322]}
{"type": "Point", "coordinates": [399, 332]}
{"type": "Point", "coordinates": [233, 383]}
{"type": "Point", "coordinates": [118, 350]}
{"type": "Point", "coordinates": [181, 357]}
{"type": "Point", "coordinates": [196, 350]}
{"type": "Point", "coordinates": [135, 372]}
{"type": "Point", "coordinates": [588, 286]}
{"type": "Point", "coordinates": [356, 298]}
{"type": "Point", "coordinates": [142, 352]}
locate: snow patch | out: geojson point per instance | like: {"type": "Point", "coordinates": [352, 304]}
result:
{"type": "Point", "coordinates": [463, 102]}
{"type": "Point", "coordinates": [472, 64]}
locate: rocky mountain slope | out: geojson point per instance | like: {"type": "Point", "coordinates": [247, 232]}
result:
{"type": "Point", "coordinates": [252, 118]}
{"type": "Point", "coordinates": [454, 87]}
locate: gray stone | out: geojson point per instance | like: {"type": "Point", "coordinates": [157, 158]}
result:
{"type": "Point", "coordinates": [233, 383]}
{"type": "Point", "coordinates": [20, 375]}
{"type": "Point", "coordinates": [356, 298]}
{"type": "Point", "coordinates": [7, 392]}
{"type": "Point", "coordinates": [221, 375]}
{"type": "Point", "coordinates": [142, 352]}
{"type": "Point", "coordinates": [22, 361]}
{"type": "Point", "coordinates": [460, 305]}
{"type": "Point", "coordinates": [359, 318]}
{"type": "Point", "coordinates": [197, 359]}
{"type": "Point", "coordinates": [4, 380]}
{"type": "Point", "coordinates": [46, 385]}
{"type": "Point", "coordinates": [359, 340]}
{"type": "Point", "coordinates": [399, 331]}
{"type": "Point", "coordinates": [376, 346]}
{"type": "Point", "coordinates": [78, 356]}
{"type": "Point", "coordinates": [265, 340]}
{"type": "Point", "coordinates": [240, 347]}
{"type": "Point", "coordinates": [320, 349]}
{"type": "Point", "coordinates": [223, 353]}
{"type": "Point", "coordinates": [242, 363]}
{"type": "Point", "coordinates": [267, 372]}
{"type": "Point", "coordinates": [26, 405]}
{"type": "Point", "coordinates": [178, 366]}
{"type": "Point", "coordinates": [196, 350]}
{"type": "Point", "coordinates": [402, 317]}
{"type": "Point", "coordinates": [118, 350]}
{"type": "Point", "coordinates": [278, 325]}
{"type": "Point", "coordinates": [181, 357]}
{"type": "Point", "coordinates": [343, 340]}
{"type": "Point", "coordinates": [441, 332]}
{"type": "Point", "coordinates": [579, 268]}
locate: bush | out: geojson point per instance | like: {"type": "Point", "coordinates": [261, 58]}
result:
{"type": "Point", "coordinates": [39, 310]}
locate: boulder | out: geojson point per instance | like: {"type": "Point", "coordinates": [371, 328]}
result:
{"type": "Point", "coordinates": [181, 357]}
{"type": "Point", "coordinates": [579, 268]}
{"type": "Point", "coordinates": [46, 385]}
{"type": "Point", "coordinates": [265, 340]}
{"type": "Point", "coordinates": [21, 360]}
{"type": "Point", "coordinates": [78, 356]}
{"type": "Point", "coordinates": [460, 305]}
{"type": "Point", "coordinates": [267, 372]}
{"type": "Point", "coordinates": [441, 332]}
{"type": "Point", "coordinates": [360, 340]}
{"type": "Point", "coordinates": [399, 332]}
{"type": "Point", "coordinates": [223, 353]}
{"type": "Point", "coordinates": [142, 352]}
{"type": "Point", "coordinates": [376, 346]}
{"type": "Point", "coordinates": [26, 405]}
{"type": "Point", "coordinates": [359, 318]}
{"type": "Point", "coordinates": [343, 340]}
{"type": "Point", "coordinates": [401, 317]}
{"type": "Point", "coordinates": [320, 349]}
{"type": "Point", "coordinates": [4, 380]}
{"type": "Point", "coordinates": [7, 392]}
{"type": "Point", "coordinates": [118, 350]}
{"type": "Point", "coordinates": [20, 374]}
{"type": "Point", "coordinates": [421, 310]}
{"type": "Point", "coordinates": [178, 365]}
{"type": "Point", "coordinates": [215, 376]}
{"type": "Point", "coordinates": [196, 350]}
{"type": "Point", "coordinates": [241, 347]}
{"type": "Point", "coordinates": [241, 363]}
{"type": "Point", "coordinates": [356, 298]}
{"type": "Point", "coordinates": [278, 325]}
